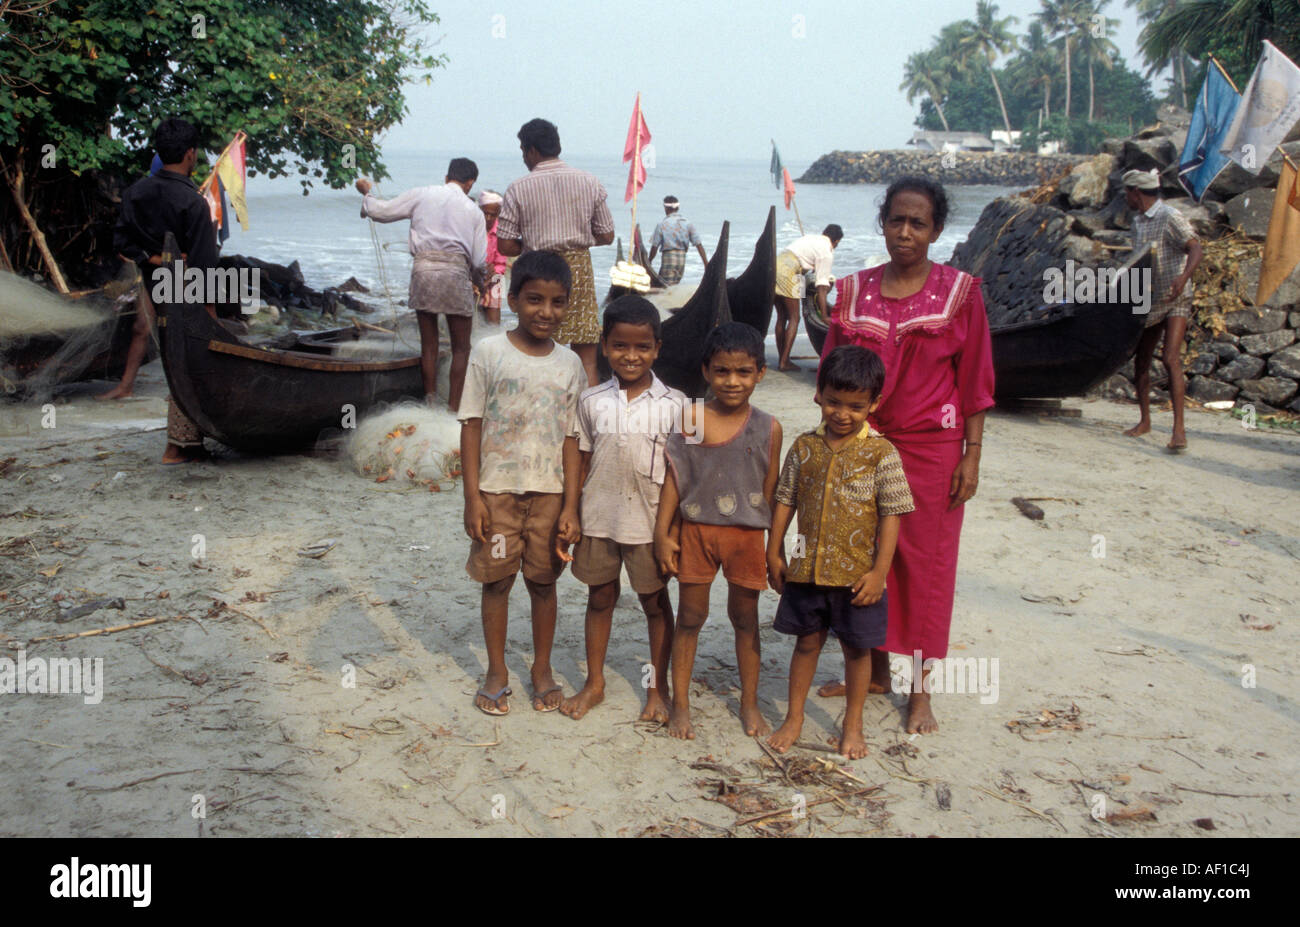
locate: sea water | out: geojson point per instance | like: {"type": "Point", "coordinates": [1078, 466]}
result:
{"type": "Point", "coordinates": [325, 233]}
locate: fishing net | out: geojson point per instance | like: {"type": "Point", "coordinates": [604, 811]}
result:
{"type": "Point", "coordinates": [407, 445]}
{"type": "Point", "coordinates": [47, 339]}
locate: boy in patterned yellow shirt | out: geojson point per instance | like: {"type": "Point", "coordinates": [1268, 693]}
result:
{"type": "Point", "coordinates": [846, 484]}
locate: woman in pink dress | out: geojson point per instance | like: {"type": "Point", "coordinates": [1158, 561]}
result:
{"type": "Point", "coordinates": [927, 322]}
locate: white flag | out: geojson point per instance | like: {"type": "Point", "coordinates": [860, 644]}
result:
{"type": "Point", "coordinates": [1269, 108]}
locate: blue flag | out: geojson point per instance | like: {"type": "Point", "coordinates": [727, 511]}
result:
{"type": "Point", "coordinates": [1215, 108]}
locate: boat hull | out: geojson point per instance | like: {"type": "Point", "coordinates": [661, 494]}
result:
{"type": "Point", "coordinates": [1059, 351]}
{"type": "Point", "coordinates": [265, 401]}
{"type": "Point", "coordinates": [750, 296]}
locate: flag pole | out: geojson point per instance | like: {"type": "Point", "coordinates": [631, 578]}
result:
{"type": "Point", "coordinates": [1225, 74]}
{"type": "Point", "coordinates": [636, 171]}
{"type": "Point", "coordinates": [794, 201]}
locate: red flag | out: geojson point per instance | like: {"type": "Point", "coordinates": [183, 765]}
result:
{"type": "Point", "coordinates": [638, 136]}
{"type": "Point", "coordinates": [789, 186]}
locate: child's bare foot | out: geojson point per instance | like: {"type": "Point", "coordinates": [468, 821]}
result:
{"type": "Point", "coordinates": [1178, 441]}
{"type": "Point", "coordinates": [679, 724]}
{"type": "Point", "coordinates": [786, 735]}
{"type": "Point", "coordinates": [852, 746]}
{"type": "Point", "coordinates": [656, 709]}
{"type": "Point", "coordinates": [920, 719]}
{"type": "Point", "coordinates": [834, 689]}
{"type": "Point", "coordinates": [578, 705]}
{"type": "Point", "coordinates": [1140, 428]}
{"type": "Point", "coordinates": [753, 722]}
{"type": "Point", "coordinates": [117, 392]}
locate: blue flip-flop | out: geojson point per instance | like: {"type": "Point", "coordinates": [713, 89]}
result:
{"type": "Point", "coordinates": [541, 696]}
{"type": "Point", "coordinates": [495, 711]}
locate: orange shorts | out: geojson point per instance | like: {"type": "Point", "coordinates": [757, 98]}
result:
{"type": "Point", "coordinates": [523, 529]}
{"type": "Point", "coordinates": [740, 552]}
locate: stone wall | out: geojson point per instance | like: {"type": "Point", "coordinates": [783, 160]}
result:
{"type": "Point", "coordinates": [1007, 169]}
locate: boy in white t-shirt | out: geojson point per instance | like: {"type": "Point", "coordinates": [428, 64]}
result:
{"type": "Point", "coordinates": [522, 469]}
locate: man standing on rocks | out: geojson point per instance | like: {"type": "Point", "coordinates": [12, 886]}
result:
{"type": "Point", "coordinates": [1177, 254]}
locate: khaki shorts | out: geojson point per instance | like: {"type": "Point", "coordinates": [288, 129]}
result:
{"type": "Point", "coordinates": [523, 530]}
{"type": "Point", "coordinates": [597, 561]}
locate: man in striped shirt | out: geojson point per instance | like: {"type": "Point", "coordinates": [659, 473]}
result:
{"type": "Point", "coordinates": [562, 209]}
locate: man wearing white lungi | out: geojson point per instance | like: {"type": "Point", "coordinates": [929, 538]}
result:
{"type": "Point", "coordinates": [448, 243]}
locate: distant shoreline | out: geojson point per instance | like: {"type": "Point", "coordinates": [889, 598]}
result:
{"type": "Point", "coordinates": [962, 168]}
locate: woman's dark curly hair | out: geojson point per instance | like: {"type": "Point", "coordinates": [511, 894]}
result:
{"type": "Point", "coordinates": [914, 183]}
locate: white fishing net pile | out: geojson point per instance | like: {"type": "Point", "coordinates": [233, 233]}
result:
{"type": "Point", "coordinates": [407, 445]}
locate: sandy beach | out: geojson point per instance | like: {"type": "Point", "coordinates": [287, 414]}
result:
{"type": "Point", "coordinates": [1122, 623]}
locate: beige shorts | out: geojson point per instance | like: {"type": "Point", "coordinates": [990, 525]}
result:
{"type": "Point", "coordinates": [1181, 309]}
{"type": "Point", "coordinates": [522, 531]}
{"type": "Point", "coordinates": [596, 561]}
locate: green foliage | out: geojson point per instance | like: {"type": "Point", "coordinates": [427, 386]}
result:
{"type": "Point", "coordinates": [302, 79]}
{"type": "Point", "coordinates": [1231, 30]}
{"type": "Point", "coordinates": [1033, 80]}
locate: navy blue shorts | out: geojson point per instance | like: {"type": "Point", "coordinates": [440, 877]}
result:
{"type": "Point", "coordinates": [808, 609]}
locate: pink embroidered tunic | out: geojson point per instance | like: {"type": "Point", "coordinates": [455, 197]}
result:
{"type": "Point", "coordinates": [938, 371]}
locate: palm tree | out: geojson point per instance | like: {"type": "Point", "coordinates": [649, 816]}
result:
{"type": "Point", "coordinates": [924, 74]}
{"type": "Point", "coordinates": [1063, 18]}
{"type": "Point", "coordinates": [1148, 12]}
{"type": "Point", "coordinates": [987, 37]}
{"type": "Point", "coordinates": [1039, 63]}
{"type": "Point", "coordinates": [1201, 25]}
{"type": "Point", "coordinates": [1096, 47]}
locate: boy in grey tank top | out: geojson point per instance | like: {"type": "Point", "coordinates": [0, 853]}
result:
{"type": "Point", "coordinates": [714, 512]}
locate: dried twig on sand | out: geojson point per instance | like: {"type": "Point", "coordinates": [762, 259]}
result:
{"type": "Point", "coordinates": [113, 630]}
{"type": "Point", "coordinates": [1020, 804]}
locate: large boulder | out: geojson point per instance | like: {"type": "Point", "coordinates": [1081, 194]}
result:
{"type": "Point", "coordinates": [1254, 321]}
{"type": "Point", "coordinates": [1203, 363]}
{"type": "Point", "coordinates": [1265, 344]}
{"type": "Point", "coordinates": [1142, 154]}
{"type": "Point", "coordinates": [1285, 363]}
{"type": "Point", "coordinates": [1241, 367]}
{"type": "Point", "coordinates": [1226, 353]}
{"type": "Point", "coordinates": [1249, 212]}
{"type": "Point", "coordinates": [1235, 180]}
{"type": "Point", "coordinates": [1273, 390]}
{"type": "Point", "coordinates": [1087, 185]}
{"type": "Point", "coordinates": [1203, 389]}
{"type": "Point", "coordinates": [1203, 217]}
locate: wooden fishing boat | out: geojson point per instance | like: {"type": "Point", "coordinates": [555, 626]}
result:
{"type": "Point", "coordinates": [273, 400]}
{"type": "Point", "coordinates": [94, 351]}
{"type": "Point", "coordinates": [684, 333]}
{"type": "Point", "coordinates": [750, 295]}
{"type": "Point", "coordinates": [1055, 351]}
{"type": "Point", "coordinates": [686, 328]}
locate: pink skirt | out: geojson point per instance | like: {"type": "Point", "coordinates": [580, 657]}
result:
{"type": "Point", "coordinates": [923, 577]}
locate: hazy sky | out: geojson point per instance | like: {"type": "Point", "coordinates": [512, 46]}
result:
{"type": "Point", "coordinates": [716, 79]}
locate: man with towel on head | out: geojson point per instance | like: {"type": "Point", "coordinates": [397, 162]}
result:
{"type": "Point", "coordinates": [448, 242]}
{"type": "Point", "coordinates": [562, 209]}
{"type": "Point", "coordinates": [675, 235]}
{"type": "Point", "coordinates": [1177, 254]}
